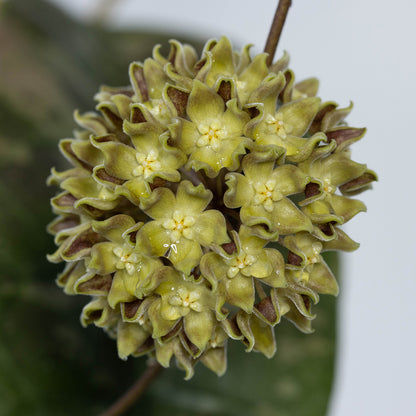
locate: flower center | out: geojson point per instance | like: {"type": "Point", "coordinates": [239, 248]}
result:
{"type": "Point", "coordinates": [241, 85]}
{"type": "Point", "coordinates": [328, 187]}
{"type": "Point", "coordinates": [240, 262]}
{"type": "Point", "coordinates": [185, 298]}
{"type": "Point", "coordinates": [277, 126]}
{"type": "Point", "coordinates": [302, 275]}
{"type": "Point", "coordinates": [217, 340]}
{"type": "Point", "coordinates": [311, 260]}
{"type": "Point", "coordinates": [211, 135]}
{"type": "Point", "coordinates": [179, 225]}
{"type": "Point", "coordinates": [316, 250]}
{"type": "Point", "coordinates": [148, 164]}
{"type": "Point", "coordinates": [266, 194]}
{"type": "Point", "coordinates": [159, 109]}
{"type": "Point", "coordinates": [126, 259]}
{"type": "Point", "coordinates": [145, 323]}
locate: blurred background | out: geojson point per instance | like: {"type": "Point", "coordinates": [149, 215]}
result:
{"type": "Point", "coordinates": [360, 51]}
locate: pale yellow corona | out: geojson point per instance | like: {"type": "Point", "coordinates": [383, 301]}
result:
{"type": "Point", "coordinates": [211, 135]}
{"type": "Point", "coordinates": [148, 164]}
{"type": "Point", "coordinates": [179, 225]}
{"type": "Point", "coordinates": [277, 126]}
{"type": "Point", "coordinates": [126, 259]}
{"type": "Point", "coordinates": [240, 262]}
{"type": "Point", "coordinates": [266, 194]}
{"type": "Point", "coordinates": [186, 299]}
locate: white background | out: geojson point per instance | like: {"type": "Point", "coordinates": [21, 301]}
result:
{"type": "Point", "coordinates": [362, 50]}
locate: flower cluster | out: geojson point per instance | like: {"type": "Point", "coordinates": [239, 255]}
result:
{"type": "Point", "coordinates": [199, 201]}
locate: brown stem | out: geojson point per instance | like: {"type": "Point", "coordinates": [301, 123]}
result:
{"type": "Point", "coordinates": [219, 194]}
{"type": "Point", "coordinates": [207, 182]}
{"type": "Point", "coordinates": [276, 29]}
{"type": "Point", "coordinates": [134, 392]}
{"type": "Point", "coordinates": [191, 175]}
{"type": "Point", "coordinates": [231, 213]}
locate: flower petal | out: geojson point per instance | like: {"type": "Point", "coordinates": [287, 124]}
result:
{"type": "Point", "coordinates": [288, 219]}
{"type": "Point", "coordinates": [185, 254]}
{"type": "Point", "coordinates": [322, 280]}
{"type": "Point", "coordinates": [120, 159]}
{"type": "Point", "coordinates": [239, 292]}
{"type": "Point", "coordinates": [198, 327]}
{"type": "Point", "coordinates": [161, 326]}
{"type": "Point", "coordinates": [204, 105]}
{"type": "Point", "coordinates": [129, 338]}
{"type": "Point", "coordinates": [114, 227]}
{"type": "Point", "coordinates": [347, 207]}
{"type": "Point", "coordinates": [277, 277]}
{"type": "Point", "coordinates": [216, 360]}
{"type": "Point", "coordinates": [290, 179]}
{"type": "Point", "coordinates": [299, 114]}
{"type": "Point", "coordinates": [189, 136]}
{"type": "Point", "coordinates": [118, 292]}
{"type": "Point", "coordinates": [192, 199]}
{"type": "Point", "coordinates": [99, 313]}
{"type": "Point", "coordinates": [160, 204]}
{"type": "Point", "coordinates": [213, 268]}
{"type": "Point", "coordinates": [152, 237]}
{"type": "Point", "coordinates": [258, 166]}
{"type": "Point", "coordinates": [210, 228]}
{"type": "Point", "coordinates": [103, 260]}
{"type": "Point", "coordinates": [264, 337]}
{"type": "Point", "coordinates": [239, 190]}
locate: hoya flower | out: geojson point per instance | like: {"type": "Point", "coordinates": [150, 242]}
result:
{"type": "Point", "coordinates": [262, 193]}
{"type": "Point", "coordinates": [191, 302]}
{"type": "Point", "coordinates": [137, 167]}
{"type": "Point", "coordinates": [287, 126]}
{"type": "Point", "coordinates": [198, 203]}
{"type": "Point", "coordinates": [306, 265]}
{"type": "Point", "coordinates": [324, 205]}
{"type": "Point", "coordinates": [234, 274]}
{"type": "Point", "coordinates": [213, 136]}
{"type": "Point", "coordinates": [120, 257]}
{"type": "Point", "coordinates": [234, 75]}
{"type": "Point", "coordinates": [181, 225]}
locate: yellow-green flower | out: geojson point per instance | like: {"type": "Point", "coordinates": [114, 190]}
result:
{"type": "Point", "coordinates": [213, 135]}
{"type": "Point", "coordinates": [285, 126]}
{"type": "Point", "coordinates": [139, 165]}
{"type": "Point", "coordinates": [306, 265]}
{"type": "Point", "coordinates": [233, 275]}
{"type": "Point", "coordinates": [181, 225]}
{"type": "Point", "coordinates": [324, 206]}
{"type": "Point", "coordinates": [192, 302]}
{"type": "Point", "coordinates": [119, 256]}
{"type": "Point", "coordinates": [262, 193]}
